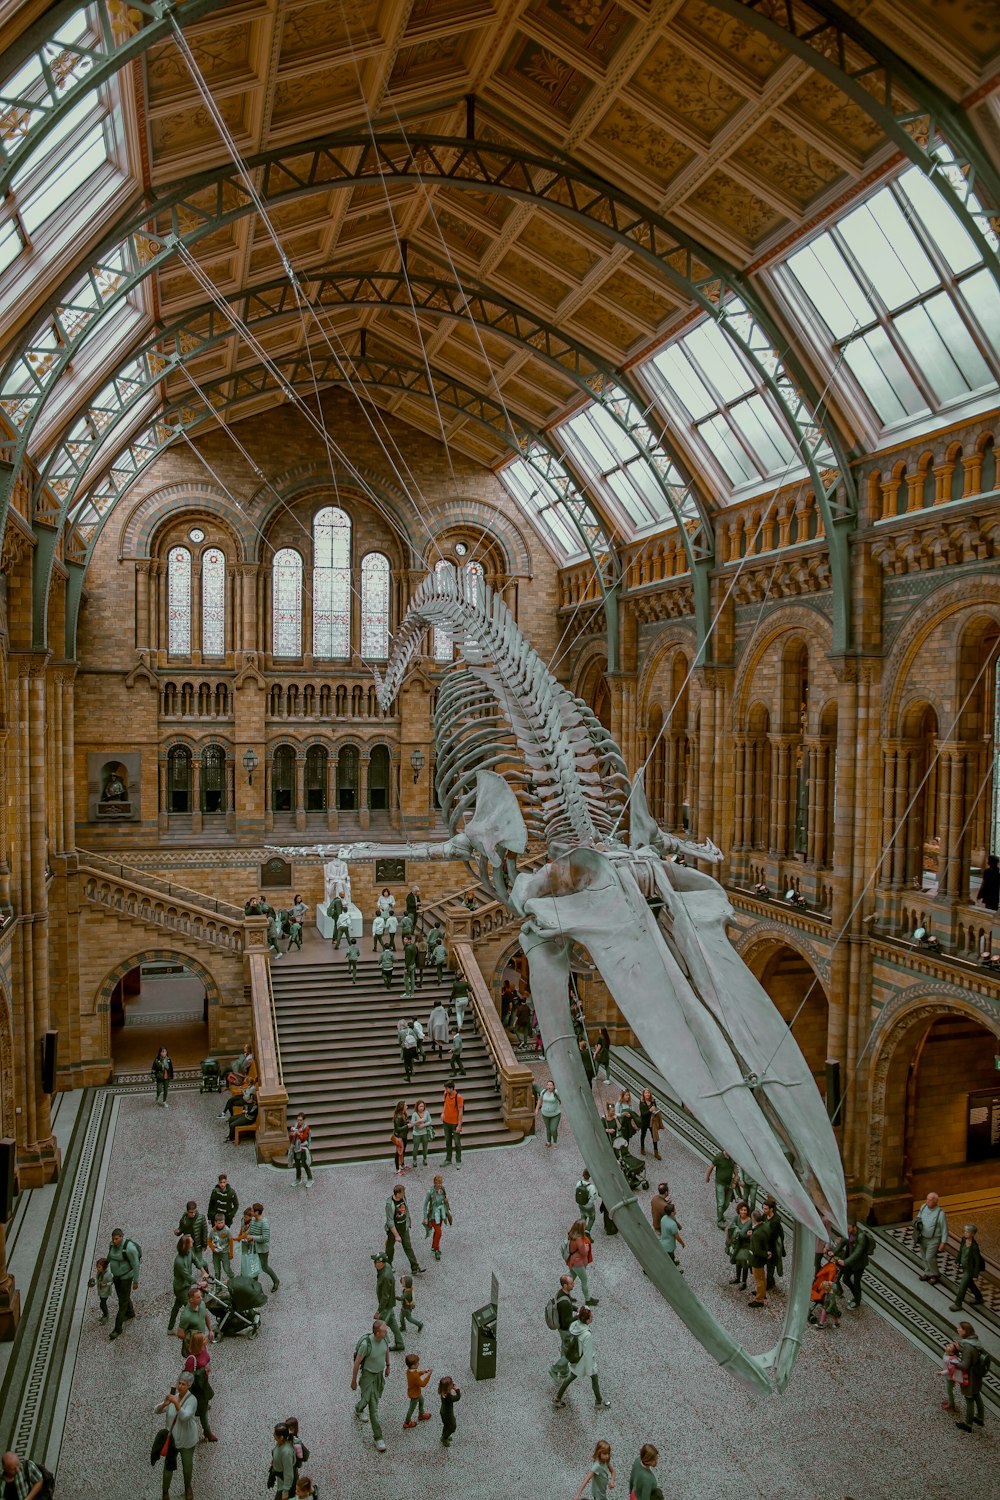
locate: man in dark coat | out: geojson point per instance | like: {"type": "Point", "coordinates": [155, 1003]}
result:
{"type": "Point", "coordinates": [775, 1241]}
{"type": "Point", "coordinates": [566, 1312]}
{"type": "Point", "coordinates": [852, 1256]}
{"type": "Point", "coordinates": [759, 1251]}
{"type": "Point", "coordinates": [970, 1264]}
{"type": "Point", "coordinates": [385, 1291]}
{"type": "Point", "coordinates": [223, 1200]}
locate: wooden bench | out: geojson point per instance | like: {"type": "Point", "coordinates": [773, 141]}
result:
{"type": "Point", "coordinates": [242, 1130]}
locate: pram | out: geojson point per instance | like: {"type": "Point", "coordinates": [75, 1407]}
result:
{"type": "Point", "coordinates": [235, 1305]}
{"type": "Point", "coordinates": [211, 1076]}
{"type": "Point", "coordinates": [633, 1167]}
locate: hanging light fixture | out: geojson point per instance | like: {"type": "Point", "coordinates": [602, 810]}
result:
{"type": "Point", "coordinates": [250, 764]}
{"type": "Point", "coordinates": [417, 764]}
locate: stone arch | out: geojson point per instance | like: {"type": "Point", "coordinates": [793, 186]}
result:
{"type": "Point", "coordinates": [356, 485]}
{"type": "Point", "coordinates": [979, 593]}
{"type": "Point", "coordinates": [501, 531]}
{"type": "Point", "coordinates": [904, 1020]}
{"type": "Point", "coordinates": [680, 639]}
{"type": "Point", "coordinates": [102, 996]}
{"type": "Point", "coordinates": [782, 961]}
{"type": "Point", "coordinates": [805, 620]}
{"type": "Point", "coordinates": [138, 533]}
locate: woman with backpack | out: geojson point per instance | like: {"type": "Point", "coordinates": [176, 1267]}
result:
{"type": "Point", "coordinates": [582, 1357]}
{"type": "Point", "coordinates": [975, 1367]}
{"type": "Point", "coordinates": [549, 1106]}
{"type": "Point", "coordinates": [578, 1255]}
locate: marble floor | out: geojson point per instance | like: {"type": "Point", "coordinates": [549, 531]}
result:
{"type": "Point", "coordinates": [861, 1418]}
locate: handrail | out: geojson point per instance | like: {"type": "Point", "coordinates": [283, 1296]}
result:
{"type": "Point", "coordinates": [271, 1139]}
{"type": "Point", "coordinates": [515, 1078]}
{"type": "Point", "coordinates": [454, 904]}
{"type": "Point", "coordinates": [103, 866]}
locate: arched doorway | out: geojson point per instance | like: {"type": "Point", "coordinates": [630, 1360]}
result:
{"type": "Point", "coordinates": [179, 779]}
{"type": "Point", "coordinates": [797, 992]}
{"type": "Point", "coordinates": [378, 778]}
{"type": "Point", "coordinates": [159, 1001]}
{"type": "Point", "coordinates": [932, 1117]}
{"type": "Point", "coordinates": [283, 779]}
{"type": "Point", "coordinates": [347, 778]}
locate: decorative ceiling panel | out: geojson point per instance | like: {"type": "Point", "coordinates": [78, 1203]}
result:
{"type": "Point", "coordinates": [680, 87]}
{"type": "Point", "coordinates": [798, 170]}
{"type": "Point", "coordinates": [538, 76]}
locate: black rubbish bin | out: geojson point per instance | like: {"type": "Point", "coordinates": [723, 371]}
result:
{"type": "Point", "coordinates": [483, 1357]}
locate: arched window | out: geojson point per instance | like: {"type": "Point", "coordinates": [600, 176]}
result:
{"type": "Point", "coordinates": [315, 778]}
{"type": "Point", "coordinates": [286, 603]}
{"type": "Point", "coordinates": [332, 583]}
{"type": "Point", "coordinates": [179, 601]}
{"type": "Point", "coordinates": [375, 606]}
{"type": "Point", "coordinates": [283, 779]}
{"type": "Point", "coordinates": [443, 645]}
{"type": "Point", "coordinates": [347, 779]}
{"type": "Point", "coordinates": [378, 778]}
{"type": "Point", "coordinates": [213, 779]}
{"type": "Point", "coordinates": [213, 602]}
{"type": "Point", "coordinates": [475, 580]}
{"type": "Point", "coordinates": [179, 779]}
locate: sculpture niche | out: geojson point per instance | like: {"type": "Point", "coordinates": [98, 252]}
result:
{"type": "Point", "coordinates": [520, 760]}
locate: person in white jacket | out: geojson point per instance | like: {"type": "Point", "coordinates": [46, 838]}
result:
{"type": "Point", "coordinates": [586, 1360]}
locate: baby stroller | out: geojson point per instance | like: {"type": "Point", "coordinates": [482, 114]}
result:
{"type": "Point", "coordinates": [235, 1306]}
{"type": "Point", "coordinates": [633, 1167]}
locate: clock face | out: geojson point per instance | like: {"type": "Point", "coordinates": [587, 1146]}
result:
{"type": "Point", "coordinates": [196, 534]}
{"type": "Point", "coordinates": [460, 549]}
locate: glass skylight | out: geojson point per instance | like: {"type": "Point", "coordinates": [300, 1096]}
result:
{"type": "Point", "coordinates": [544, 505]}
{"type": "Point", "coordinates": [618, 452]}
{"type": "Point", "coordinates": [898, 289]}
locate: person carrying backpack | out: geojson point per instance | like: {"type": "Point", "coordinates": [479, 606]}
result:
{"type": "Point", "coordinates": [586, 1200]}
{"type": "Point", "coordinates": [975, 1367]}
{"type": "Point", "coordinates": [560, 1313]}
{"type": "Point", "coordinates": [124, 1257]}
{"type": "Point", "coordinates": [408, 1046]}
{"type": "Point", "coordinates": [582, 1357]}
{"type": "Point", "coordinates": [371, 1362]}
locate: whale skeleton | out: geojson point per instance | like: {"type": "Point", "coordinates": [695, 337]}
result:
{"type": "Point", "coordinates": [520, 760]}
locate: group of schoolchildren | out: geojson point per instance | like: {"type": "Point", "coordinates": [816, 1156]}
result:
{"type": "Point", "coordinates": [280, 924]}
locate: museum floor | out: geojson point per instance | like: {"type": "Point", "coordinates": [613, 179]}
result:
{"type": "Point", "coordinates": [861, 1417]}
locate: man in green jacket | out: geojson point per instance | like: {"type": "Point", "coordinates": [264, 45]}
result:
{"type": "Point", "coordinates": [970, 1264]}
{"type": "Point", "coordinates": [409, 966]}
{"type": "Point", "coordinates": [385, 963]}
{"type": "Point", "coordinates": [194, 1224]}
{"type": "Point", "coordinates": [189, 1271]}
{"type": "Point", "coordinates": [642, 1480]}
{"type": "Point", "coordinates": [371, 1361]}
{"type": "Point", "coordinates": [385, 1291]}
{"type": "Point", "coordinates": [397, 1227]}
{"type": "Point", "coordinates": [123, 1263]}
{"type": "Point", "coordinates": [852, 1256]}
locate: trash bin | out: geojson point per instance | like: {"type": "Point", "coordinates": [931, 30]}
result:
{"type": "Point", "coordinates": [483, 1358]}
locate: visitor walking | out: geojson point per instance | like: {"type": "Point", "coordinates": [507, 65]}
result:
{"type": "Point", "coordinates": [408, 1047]}
{"type": "Point", "coordinates": [123, 1263]}
{"type": "Point", "coordinates": [456, 1064]}
{"type": "Point", "coordinates": [397, 1227]}
{"type": "Point", "coordinates": [759, 1252]}
{"type": "Point", "coordinates": [162, 1073]}
{"type": "Point", "coordinates": [581, 1344]}
{"type": "Point", "coordinates": [104, 1281]}
{"type": "Point", "coordinates": [371, 1364]}
{"type": "Point", "coordinates": [651, 1121]}
{"type": "Point", "coordinates": [988, 894]}
{"type": "Point", "coordinates": [299, 1149]}
{"type": "Point", "coordinates": [586, 1200]}
{"type": "Point", "coordinates": [181, 1407]}
{"type": "Point", "coordinates": [626, 1116]}
{"type": "Point", "coordinates": [386, 902]}
{"type": "Point", "coordinates": [378, 931]}
{"type": "Point", "coordinates": [437, 1212]}
{"type": "Point", "coordinates": [259, 1230]}
{"type": "Point", "coordinates": [587, 1059]}
{"type": "Point", "coordinates": [930, 1236]}
{"type": "Point", "coordinates": [602, 1055]}
{"type": "Point", "coordinates": [385, 1292]}
{"type": "Point", "coordinates": [642, 1480]}
{"type": "Point", "coordinates": [522, 1022]}
{"type": "Point", "coordinates": [452, 1114]}
{"type": "Point", "coordinates": [579, 1256]}
{"type": "Point", "coordinates": [658, 1205]}
{"type": "Point", "coordinates": [386, 963]}
{"type": "Point", "coordinates": [400, 1132]}
{"type": "Point", "coordinates": [549, 1106]}
{"type": "Point", "coordinates": [724, 1167]}
{"type": "Point", "coordinates": [439, 958]}
{"type": "Point", "coordinates": [391, 928]}
{"type": "Point", "coordinates": [450, 1394]}
{"type": "Point", "coordinates": [460, 999]}
{"type": "Point", "coordinates": [282, 1463]}
{"type": "Point", "coordinates": [353, 954]}
{"type": "Point", "coordinates": [194, 1224]}
{"type": "Point", "coordinates": [975, 1366]}
{"type": "Point", "coordinates": [220, 1242]}
{"type": "Point", "coordinates": [408, 1305]}
{"type": "Point", "coordinates": [559, 1314]}
{"type": "Point", "coordinates": [421, 1129]}
{"type": "Point", "coordinates": [420, 948]}
{"type": "Point", "coordinates": [601, 1474]}
{"type": "Point", "coordinates": [197, 1365]}
{"type": "Point", "coordinates": [970, 1265]}
{"type": "Point", "coordinates": [22, 1477]}
{"type": "Point", "coordinates": [775, 1241]}
{"type": "Point", "coordinates": [189, 1271]}
{"type": "Point", "coordinates": [343, 932]}
{"type": "Point", "coordinates": [222, 1199]}
{"type": "Point", "coordinates": [738, 1244]}
{"type": "Point", "coordinates": [852, 1255]}
{"type": "Point", "coordinates": [416, 1379]}
{"type": "Point", "coordinates": [409, 967]}
{"type": "Point", "coordinates": [670, 1232]}
{"type": "Point", "coordinates": [437, 1029]}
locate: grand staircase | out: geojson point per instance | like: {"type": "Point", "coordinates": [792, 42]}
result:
{"type": "Point", "coordinates": [340, 1059]}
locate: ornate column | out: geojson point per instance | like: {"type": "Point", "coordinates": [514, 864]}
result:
{"type": "Point", "coordinates": [957, 866]}
{"type": "Point", "coordinates": [898, 830]}
{"type": "Point", "coordinates": [142, 581]}
{"type": "Point", "coordinates": [913, 832]}
{"type": "Point", "coordinates": [944, 816]}
{"type": "Point", "coordinates": [332, 817]}
{"type": "Point", "coordinates": [196, 821]}
{"type": "Point", "coordinates": [268, 769]}
{"type": "Point", "coordinates": [811, 750]}
{"type": "Point", "coordinates": [249, 636]}
{"type": "Point", "coordinates": [364, 816]}
{"type": "Point", "coordinates": [740, 800]}
{"type": "Point", "coordinates": [300, 789]}
{"type": "Point", "coordinates": [196, 638]}
{"type": "Point", "coordinates": [162, 812]}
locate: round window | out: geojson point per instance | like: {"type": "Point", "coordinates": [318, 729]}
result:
{"type": "Point", "coordinates": [460, 549]}
{"type": "Point", "coordinates": [196, 534]}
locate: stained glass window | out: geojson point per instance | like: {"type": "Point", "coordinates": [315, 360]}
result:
{"type": "Point", "coordinates": [332, 583]}
{"type": "Point", "coordinates": [475, 581]}
{"type": "Point", "coordinates": [442, 645]}
{"type": "Point", "coordinates": [286, 603]}
{"type": "Point", "coordinates": [213, 602]}
{"type": "Point", "coordinates": [375, 606]}
{"type": "Point", "coordinates": [179, 601]}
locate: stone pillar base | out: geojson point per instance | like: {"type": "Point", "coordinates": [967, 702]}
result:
{"type": "Point", "coordinates": [38, 1164]}
{"type": "Point", "coordinates": [10, 1309]}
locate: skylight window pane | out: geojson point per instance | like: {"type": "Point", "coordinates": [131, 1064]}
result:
{"type": "Point", "coordinates": [680, 376]}
{"type": "Point", "coordinates": [10, 244]}
{"type": "Point", "coordinates": [588, 444]}
{"type": "Point", "coordinates": [983, 296]}
{"type": "Point", "coordinates": [735, 463]}
{"type": "Point", "coordinates": [716, 356]}
{"type": "Point", "coordinates": [618, 483]}
{"type": "Point", "coordinates": [883, 377]}
{"type": "Point", "coordinates": [538, 500]}
{"type": "Point", "coordinates": [935, 215]}
{"type": "Point", "coordinates": [616, 438]}
{"type": "Point", "coordinates": [643, 476]}
{"type": "Point", "coordinates": [831, 286]}
{"type": "Point", "coordinates": [941, 346]}
{"type": "Point", "coordinates": [888, 251]}
{"type": "Point", "coordinates": [765, 437]}
{"type": "Point", "coordinates": [71, 175]}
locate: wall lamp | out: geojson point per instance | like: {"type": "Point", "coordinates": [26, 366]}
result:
{"type": "Point", "coordinates": [250, 764]}
{"type": "Point", "coordinates": [417, 763]}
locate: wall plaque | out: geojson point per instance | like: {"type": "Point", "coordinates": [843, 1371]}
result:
{"type": "Point", "coordinates": [388, 871]}
{"type": "Point", "coordinates": [275, 873]}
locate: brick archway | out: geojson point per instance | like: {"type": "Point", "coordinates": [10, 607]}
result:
{"type": "Point", "coordinates": [102, 998]}
{"type": "Point", "coordinates": [795, 978]}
